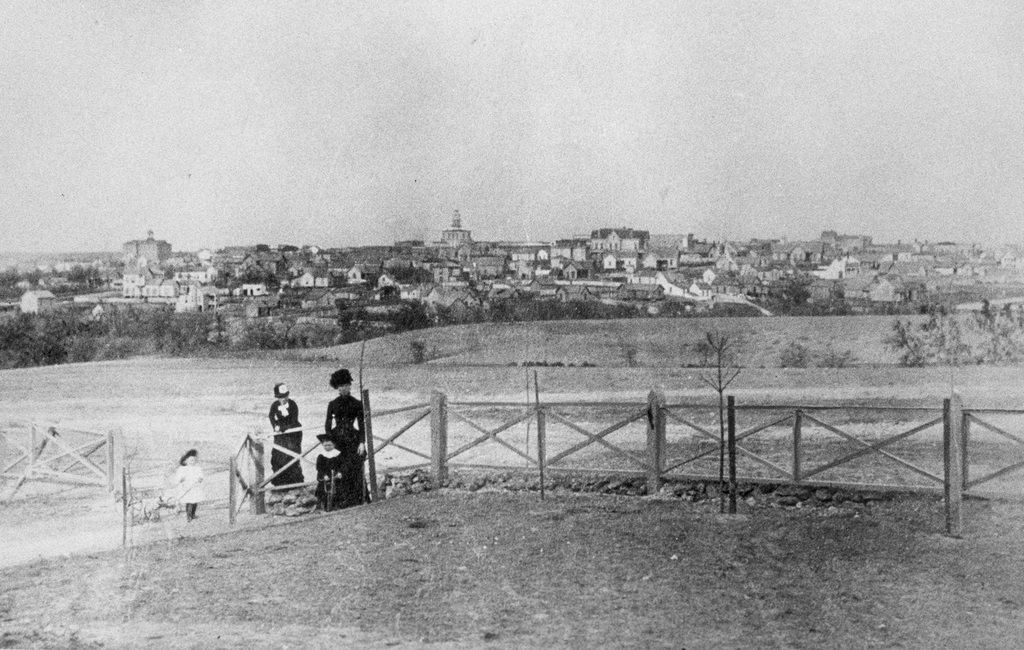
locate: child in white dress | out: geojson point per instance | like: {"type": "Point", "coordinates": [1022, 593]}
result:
{"type": "Point", "coordinates": [188, 483]}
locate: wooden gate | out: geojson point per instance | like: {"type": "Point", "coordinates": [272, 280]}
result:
{"type": "Point", "coordinates": [39, 452]}
{"type": "Point", "coordinates": [991, 450]}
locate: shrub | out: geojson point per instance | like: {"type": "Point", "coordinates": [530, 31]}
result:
{"type": "Point", "coordinates": [795, 355]}
{"type": "Point", "coordinates": [833, 358]}
{"type": "Point", "coordinates": [419, 351]}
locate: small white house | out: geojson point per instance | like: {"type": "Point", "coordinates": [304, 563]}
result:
{"type": "Point", "coordinates": [39, 301]}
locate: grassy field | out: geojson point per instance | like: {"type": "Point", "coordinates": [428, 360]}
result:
{"type": "Point", "coordinates": [161, 406]}
{"type": "Point", "coordinates": [459, 570]}
{"type": "Point", "coordinates": [658, 343]}
{"type": "Point", "coordinates": [463, 570]}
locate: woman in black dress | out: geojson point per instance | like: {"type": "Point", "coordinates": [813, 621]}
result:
{"type": "Point", "coordinates": [345, 425]}
{"type": "Point", "coordinates": [284, 418]}
{"type": "Point", "coordinates": [329, 476]}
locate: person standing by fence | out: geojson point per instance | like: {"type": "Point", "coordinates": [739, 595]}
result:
{"type": "Point", "coordinates": [344, 413]}
{"type": "Point", "coordinates": [188, 481]}
{"type": "Point", "coordinates": [284, 418]}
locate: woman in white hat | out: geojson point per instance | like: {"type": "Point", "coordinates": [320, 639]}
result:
{"type": "Point", "coordinates": [284, 418]}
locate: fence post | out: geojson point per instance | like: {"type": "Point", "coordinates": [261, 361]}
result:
{"type": "Point", "coordinates": [655, 440]}
{"type": "Point", "coordinates": [124, 507]}
{"type": "Point", "coordinates": [110, 462]}
{"type": "Point", "coordinates": [232, 489]}
{"type": "Point", "coordinates": [731, 432]}
{"type": "Point", "coordinates": [439, 438]}
{"type": "Point", "coordinates": [259, 499]}
{"type": "Point", "coordinates": [541, 441]}
{"type": "Point", "coordinates": [952, 415]}
{"type": "Point", "coordinates": [371, 464]}
{"type": "Point", "coordinates": [965, 450]}
{"type": "Point", "coordinates": [33, 451]}
{"type": "Point", "coordinates": [798, 423]}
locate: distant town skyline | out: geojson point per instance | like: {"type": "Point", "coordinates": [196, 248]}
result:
{"type": "Point", "coordinates": [346, 124]}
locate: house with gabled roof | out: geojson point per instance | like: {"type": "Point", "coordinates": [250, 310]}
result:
{"type": "Point", "coordinates": [576, 293]}
{"type": "Point", "coordinates": [619, 240]}
{"type": "Point", "coordinates": [162, 291]}
{"type": "Point", "coordinates": [661, 259]}
{"type": "Point", "coordinates": [700, 289]}
{"type": "Point", "coordinates": [318, 299]}
{"type": "Point", "coordinates": [37, 301]}
{"type": "Point", "coordinates": [542, 287]}
{"type": "Point", "coordinates": [197, 297]}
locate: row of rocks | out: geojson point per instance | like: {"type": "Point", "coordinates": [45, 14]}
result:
{"type": "Point", "coordinates": [299, 502]}
{"type": "Point", "coordinates": [786, 495]}
{"type": "Point", "coordinates": [292, 503]}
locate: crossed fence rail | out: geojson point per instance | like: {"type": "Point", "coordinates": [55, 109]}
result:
{"type": "Point", "coordinates": [858, 446]}
{"type": "Point", "coordinates": [41, 452]}
{"type": "Point", "coordinates": [951, 449]}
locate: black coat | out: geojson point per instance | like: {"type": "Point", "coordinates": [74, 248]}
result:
{"type": "Point", "coordinates": [326, 468]}
{"type": "Point", "coordinates": [344, 413]}
{"type": "Point", "coordinates": [291, 441]}
{"type": "Point", "coordinates": [280, 421]}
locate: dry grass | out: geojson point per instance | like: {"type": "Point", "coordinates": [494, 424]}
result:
{"type": "Point", "coordinates": [657, 343]}
{"type": "Point", "coordinates": [507, 570]}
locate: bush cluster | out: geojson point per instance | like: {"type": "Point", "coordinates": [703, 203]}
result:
{"type": "Point", "coordinates": [988, 336]}
{"type": "Point", "coordinates": [798, 355]}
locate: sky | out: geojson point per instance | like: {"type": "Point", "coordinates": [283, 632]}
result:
{"type": "Point", "coordinates": [353, 123]}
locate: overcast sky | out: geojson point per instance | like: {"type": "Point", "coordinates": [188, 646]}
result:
{"type": "Point", "coordinates": [340, 123]}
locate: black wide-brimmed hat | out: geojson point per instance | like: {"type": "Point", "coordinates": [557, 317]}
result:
{"type": "Point", "coordinates": [341, 377]}
{"type": "Point", "coordinates": [323, 437]}
{"type": "Point", "coordinates": [280, 390]}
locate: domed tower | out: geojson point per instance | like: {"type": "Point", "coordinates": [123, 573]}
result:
{"type": "Point", "coordinates": [456, 235]}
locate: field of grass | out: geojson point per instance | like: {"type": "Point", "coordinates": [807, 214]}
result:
{"type": "Point", "coordinates": [658, 343]}
{"type": "Point", "coordinates": [161, 406]}
{"type": "Point", "coordinates": [460, 570]}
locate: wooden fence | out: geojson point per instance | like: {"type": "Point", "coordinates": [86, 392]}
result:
{"type": "Point", "coordinates": [860, 446]}
{"type": "Point", "coordinates": [38, 452]}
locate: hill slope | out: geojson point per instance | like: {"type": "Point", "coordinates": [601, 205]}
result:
{"type": "Point", "coordinates": [662, 342]}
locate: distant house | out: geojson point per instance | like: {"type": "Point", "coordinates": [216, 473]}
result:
{"type": "Point", "coordinates": [133, 283]}
{"type": "Point", "coordinates": [354, 275]}
{"type": "Point", "coordinates": [488, 266]}
{"type": "Point", "coordinates": [642, 292]}
{"type": "Point", "coordinates": [542, 287]}
{"type": "Point", "coordinates": [161, 291]}
{"type": "Point", "coordinates": [619, 239]}
{"type": "Point", "coordinates": [576, 293]}
{"type": "Point", "coordinates": [253, 290]}
{"type": "Point", "coordinates": [37, 302]}
{"type": "Point", "coordinates": [701, 289]}
{"type": "Point", "coordinates": [503, 292]}
{"type": "Point", "coordinates": [823, 290]}
{"type": "Point", "coordinates": [260, 307]}
{"type": "Point", "coordinates": [573, 271]}
{"type": "Point", "coordinates": [661, 259]}
{"type": "Point", "coordinates": [197, 298]}
{"type": "Point", "coordinates": [318, 299]}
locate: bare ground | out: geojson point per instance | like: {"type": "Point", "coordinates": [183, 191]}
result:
{"type": "Point", "coordinates": [462, 570]}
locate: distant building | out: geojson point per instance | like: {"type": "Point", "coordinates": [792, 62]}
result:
{"type": "Point", "coordinates": [141, 252]}
{"type": "Point", "coordinates": [619, 240]}
{"type": "Point", "coordinates": [35, 302]}
{"type": "Point", "coordinates": [456, 235]}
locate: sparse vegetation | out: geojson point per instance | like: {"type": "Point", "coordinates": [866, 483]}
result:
{"type": "Point", "coordinates": [418, 349]}
{"type": "Point", "coordinates": [946, 338]}
{"type": "Point", "coordinates": [795, 355]}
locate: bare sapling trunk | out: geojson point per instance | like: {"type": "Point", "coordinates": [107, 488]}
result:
{"type": "Point", "coordinates": [719, 373]}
